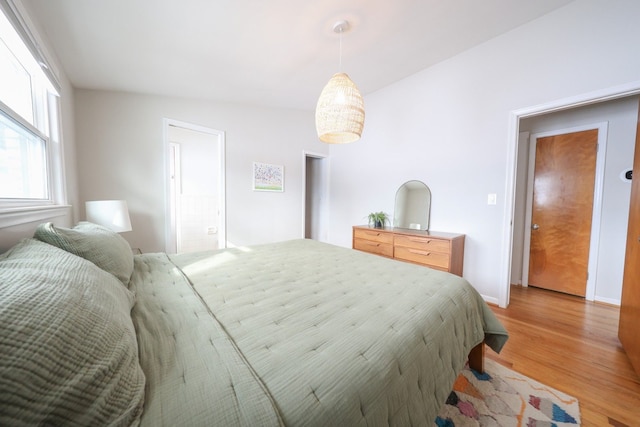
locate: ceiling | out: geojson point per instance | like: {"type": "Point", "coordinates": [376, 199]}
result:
{"type": "Point", "coordinates": [276, 53]}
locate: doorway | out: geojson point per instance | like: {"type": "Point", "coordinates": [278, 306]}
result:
{"type": "Point", "coordinates": [316, 196]}
{"type": "Point", "coordinates": [195, 174]}
{"type": "Point", "coordinates": [603, 97]}
{"type": "Point", "coordinates": [561, 206]}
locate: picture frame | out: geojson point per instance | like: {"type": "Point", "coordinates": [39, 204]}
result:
{"type": "Point", "coordinates": [268, 177]}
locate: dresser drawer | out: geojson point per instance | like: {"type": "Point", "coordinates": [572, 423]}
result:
{"type": "Point", "coordinates": [442, 251]}
{"type": "Point", "coordinates": [378, 248]}
{"type": "Point", "coordinates": [439, 260]}
{"type": "Point", "coordinates": [423, 243]}
{"type": "Point", "coordinates": [373, 235]}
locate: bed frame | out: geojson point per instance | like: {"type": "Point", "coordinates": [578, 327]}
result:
{"type": "Point", "coordinates": [476, 358]}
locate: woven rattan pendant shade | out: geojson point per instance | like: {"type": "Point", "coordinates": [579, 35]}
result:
{"type": "Point", "coordinates": [340, 111]}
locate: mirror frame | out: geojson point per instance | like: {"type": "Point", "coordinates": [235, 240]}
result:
{"type": "Point", "coordinates": [419, 203]}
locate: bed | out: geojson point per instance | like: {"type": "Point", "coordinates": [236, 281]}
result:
{"type": "Point", "coordinates": [289, 333]}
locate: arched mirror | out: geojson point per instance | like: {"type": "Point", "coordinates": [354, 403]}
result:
{"type": "Point", "coordinates": [413, 204]}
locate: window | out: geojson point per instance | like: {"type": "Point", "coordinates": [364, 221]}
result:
{"type": "Point", "coordinates": [30, 154]}
{"type": "Point", "coordinates": [23, 164]}
{"type": "Point", "coordinates": [15, 80]}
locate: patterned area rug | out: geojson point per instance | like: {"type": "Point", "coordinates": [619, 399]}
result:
{"type": "Point", "coordinates": [502, 397]}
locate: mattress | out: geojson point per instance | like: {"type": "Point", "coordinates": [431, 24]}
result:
{"type": "Point", "coordinates": [301, 333]}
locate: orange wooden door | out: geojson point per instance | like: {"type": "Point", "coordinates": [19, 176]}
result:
{"type": "Point", "coordinates": [563, 185]}
{"type": "Point", "coordinates": [629, 326]}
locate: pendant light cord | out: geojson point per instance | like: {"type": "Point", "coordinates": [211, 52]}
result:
{"type": "Point", "coordinates": [340, 61]}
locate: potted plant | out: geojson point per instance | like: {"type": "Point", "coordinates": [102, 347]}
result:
{"type": "Point", "coordinates": [378, 219]}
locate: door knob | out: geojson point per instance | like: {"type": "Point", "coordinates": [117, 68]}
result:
{"type": "Point", "coordinates": [535, 226]}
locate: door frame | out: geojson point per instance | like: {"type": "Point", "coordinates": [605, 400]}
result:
{"type": "Point", "coordinates": [170, 220]}
{"type": "Point", "coordinates": [174, 188]}
{"type": "Point", "coordinates": [608, 94]}
{"type": "Point", "coordinates": [324, 188]}
{"type": "Point", "coordinates": [598, 190]}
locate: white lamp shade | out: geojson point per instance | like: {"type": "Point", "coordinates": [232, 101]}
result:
{"type": "Point", "coordinates": [340, 111]}
{"type": "Point", "coordinates": [112, 214]}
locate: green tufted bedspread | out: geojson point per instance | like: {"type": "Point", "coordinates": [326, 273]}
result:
{"type": "Point", "coordinates": [301, 333]}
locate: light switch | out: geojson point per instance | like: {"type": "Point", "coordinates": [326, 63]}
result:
{"type": "Point", "coordinates": [492, 199]}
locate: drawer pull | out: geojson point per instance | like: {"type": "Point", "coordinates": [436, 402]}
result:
{"type": "Point", "coordinates": [419, 240]}
{"type": "Point", "coordinates": [372, 244]}
{"type": "Point", "coordinates": [417, 252]}
{"type": "Point", "coordinates": [371, 234]}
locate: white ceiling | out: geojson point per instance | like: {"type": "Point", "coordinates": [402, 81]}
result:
{"type": "Point", "coordinates": [265, 52]}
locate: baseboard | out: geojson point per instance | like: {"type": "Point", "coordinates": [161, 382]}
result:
{"type": "Point", "coordinates": [490, 300]}
{"type": "Point", "coordinates": [610, 301]}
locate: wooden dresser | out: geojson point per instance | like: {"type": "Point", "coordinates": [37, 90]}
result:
{"type": "Point", "coordinates": [442, 251]}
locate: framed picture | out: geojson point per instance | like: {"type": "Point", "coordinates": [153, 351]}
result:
{"type": "Point", "coordinates": [268, 177]}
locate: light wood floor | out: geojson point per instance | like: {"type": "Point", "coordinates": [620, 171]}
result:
{"type": "Point", "coordinates": [572, 345]}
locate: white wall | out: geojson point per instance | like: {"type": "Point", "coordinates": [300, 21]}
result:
{"type": "Point", "coordinates": [622, 117]}
{"type": "Point", "coordinates": [121, 156]}
{"type": "Point", "coordinates": [449, 126]}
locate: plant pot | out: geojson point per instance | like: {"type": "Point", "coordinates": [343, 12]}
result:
{"type": "Point", "coordinates": [378, 224]}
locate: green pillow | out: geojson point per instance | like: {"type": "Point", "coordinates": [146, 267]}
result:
{"type": "Point", "coordinates": [68, 348]}
{"type": "Point", "coordinates": [100, 245]}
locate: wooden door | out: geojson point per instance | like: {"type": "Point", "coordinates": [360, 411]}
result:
{"type": "Point", "coordinates": [629, 325]}
{"type": "Point", "coordinates": [563, 187]}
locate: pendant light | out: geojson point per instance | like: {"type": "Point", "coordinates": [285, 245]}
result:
{"type": "Point", "coordinates": [340, 108]}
